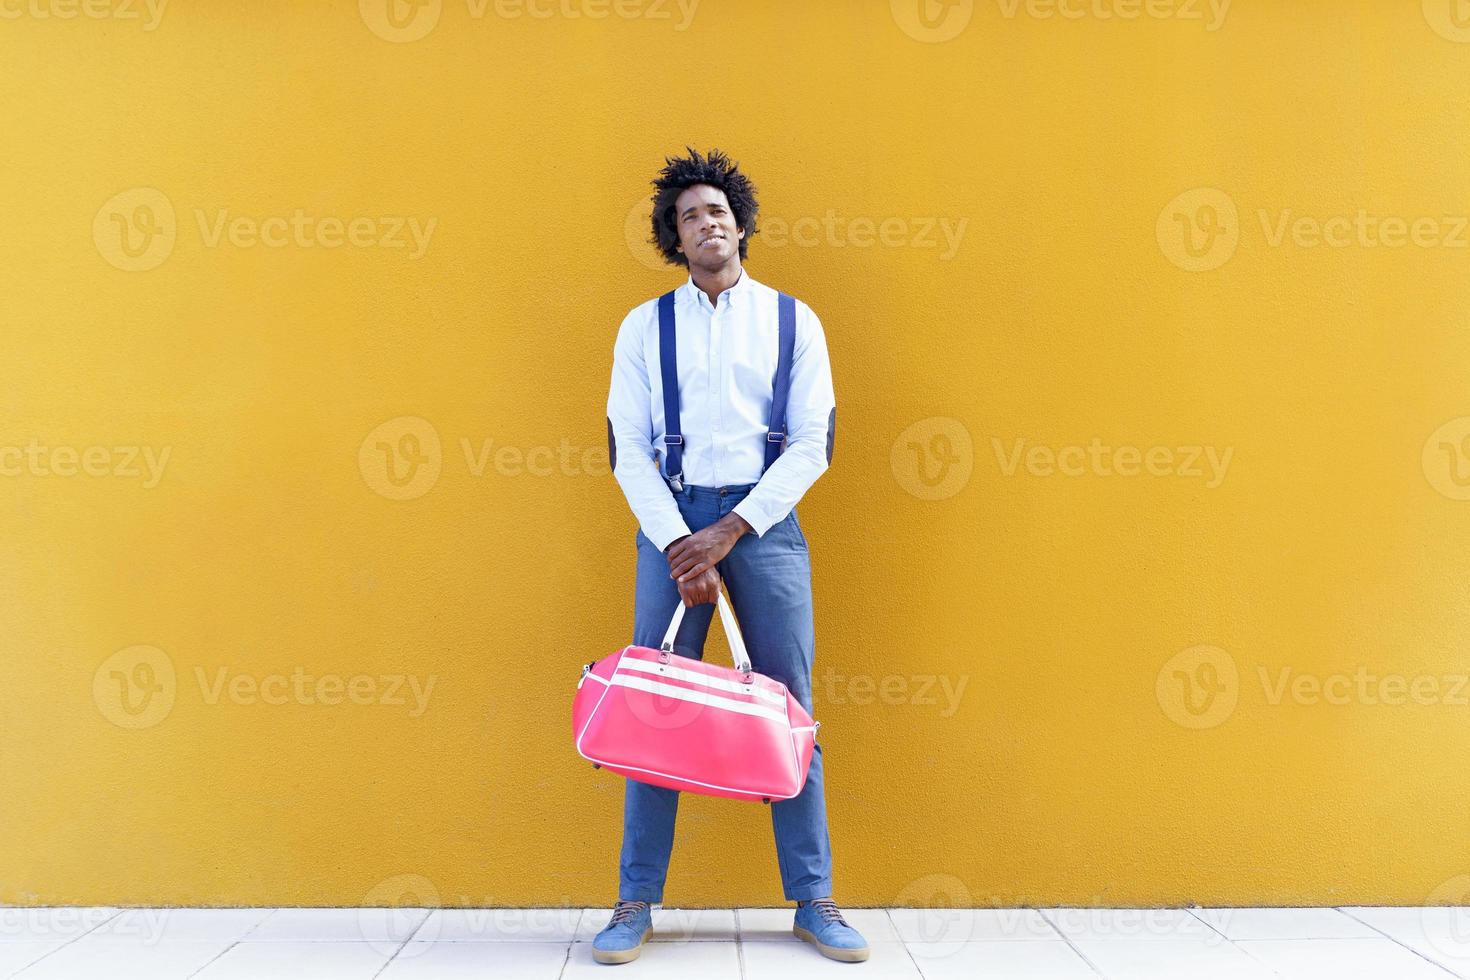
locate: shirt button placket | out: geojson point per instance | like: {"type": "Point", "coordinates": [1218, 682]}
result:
{"type": "Point", "coordinates": [717, 383]}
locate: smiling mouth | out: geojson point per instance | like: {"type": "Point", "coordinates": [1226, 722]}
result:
{"type": "Point", "coordinates": [711, 241]}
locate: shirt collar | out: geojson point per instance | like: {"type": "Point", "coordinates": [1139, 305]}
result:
{"type": "Point", "coordinates": [742, 286]}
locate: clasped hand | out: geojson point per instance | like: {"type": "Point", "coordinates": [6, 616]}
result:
{"type": "Point", "coordinates": [692, 559]}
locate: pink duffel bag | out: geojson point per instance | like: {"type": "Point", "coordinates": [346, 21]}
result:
{"type": "Point", "coordinates": [673, 721]}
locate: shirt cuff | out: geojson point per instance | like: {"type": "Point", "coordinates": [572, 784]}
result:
{"type": "Point", "coordinates": [666, 533]}
{"type": "Point", "coordinates": [758, 522]}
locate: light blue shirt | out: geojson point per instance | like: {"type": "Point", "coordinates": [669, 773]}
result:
{"type": "Point", "coordinates": [726, 358]}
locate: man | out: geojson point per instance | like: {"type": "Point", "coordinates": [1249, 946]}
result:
{"type": "Point", "coordinates": [711, 509]}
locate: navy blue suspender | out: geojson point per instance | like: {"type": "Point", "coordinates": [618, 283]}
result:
{"type": "Point", "coordinates": [668, 365]}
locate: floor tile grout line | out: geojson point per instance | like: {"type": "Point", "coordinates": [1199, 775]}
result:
{"type": "Point", "coordinates": [904, 943]}
{"type": "Point", "coordinates": [420, 927]}
{"type": "Point", "coordinates": [216, 956]}
{"type": "Point", "coordinates": [1206, 923]}
{"type": "Point", "coordinates": [1392, 939]}
{"type": "Point", "coordinates": [739, 944]}
{"type": "Point", "coordinates": [1231, 942]}
{"type": "Point", "coordinates": [1068, 940]}
{"type": "Point", "coordinates": [390, 959]}
{"type": "Point", "coordinates": [115, 913]}
{"type": "Point", "coordinates": [572, 942]}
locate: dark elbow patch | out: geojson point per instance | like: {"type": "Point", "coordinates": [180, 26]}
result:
{"type": "Point", "coordinates": [612, 446]}
{"type": "Point", "coordinates": [831, 432]}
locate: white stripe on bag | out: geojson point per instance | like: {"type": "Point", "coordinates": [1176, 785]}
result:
{"type": "Point", "coordinates": [698, 697]}
{"type": "Point", "coordinates": [694, 676]}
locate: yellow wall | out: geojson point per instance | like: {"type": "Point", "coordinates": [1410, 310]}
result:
{"type": "Point", "coordinates": [1037, 685]}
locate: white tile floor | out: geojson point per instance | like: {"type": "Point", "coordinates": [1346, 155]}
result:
{"type": "Point", "coordinates": [716, 944]}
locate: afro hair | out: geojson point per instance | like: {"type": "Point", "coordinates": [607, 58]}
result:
{"type": "Point", "coordinates": [680, 173]}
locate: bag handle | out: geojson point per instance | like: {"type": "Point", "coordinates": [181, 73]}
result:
{"type": "Point", "coordinates": [732, 632]}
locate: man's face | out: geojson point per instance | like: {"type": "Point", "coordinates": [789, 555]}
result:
{"type": "Point", "coordinates": [708, 235]}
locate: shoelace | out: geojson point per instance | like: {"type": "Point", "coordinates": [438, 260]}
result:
{"type": "Point", "coordinates": [626, 911]}
{"type": "Point", "coordinates": [827, 909]}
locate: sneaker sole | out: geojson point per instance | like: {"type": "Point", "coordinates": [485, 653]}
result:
{"type": "Point", "coordinates": [831, 952]}
{"type": "Point", "coordinates": [621, 955]}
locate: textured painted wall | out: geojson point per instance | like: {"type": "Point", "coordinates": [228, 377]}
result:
{"type": "Point", "coordinates": [1140, 568]}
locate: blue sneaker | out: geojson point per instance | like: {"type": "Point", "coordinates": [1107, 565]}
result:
{"type": "Point", "coordinates": [623, 937]}
{"type": "Point", "coordinates": [819, 923]}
